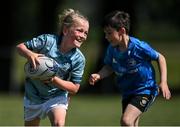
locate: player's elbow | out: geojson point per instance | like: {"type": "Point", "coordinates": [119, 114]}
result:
{"type": "Point", "coordinates": [73, 92]}
{"type": "Point", "coordinates": [75, 89]}
{"type": "Point", "coordinates": [20, 46]}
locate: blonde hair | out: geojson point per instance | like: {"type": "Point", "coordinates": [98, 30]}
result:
{"type": "Point", "coordinates": [68, 17]}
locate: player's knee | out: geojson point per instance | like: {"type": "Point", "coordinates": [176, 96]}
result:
{"type": "Point", "coordinates": [127, 121]}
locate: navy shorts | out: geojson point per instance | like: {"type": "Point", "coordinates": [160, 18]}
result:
{"type": "Point", "coordinates": [141, 101]}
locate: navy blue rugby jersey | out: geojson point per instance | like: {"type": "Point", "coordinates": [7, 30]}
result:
{"type": "Point", "coordinates": [133, 67]}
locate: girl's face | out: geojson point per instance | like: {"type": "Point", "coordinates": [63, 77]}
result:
{"type": "Point", "coordinates": [77, 33]}
{"type": "Point", "coordinates": [113, 36]}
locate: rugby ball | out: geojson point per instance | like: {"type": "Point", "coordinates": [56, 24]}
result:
{"type": "Point", "coordinates": [46, 69]}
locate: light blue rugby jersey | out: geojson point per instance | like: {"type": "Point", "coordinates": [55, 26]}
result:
{"type": "Point", "coordinates": [71, 67]}
{"type": "Point", "coordinates": [135, 73]}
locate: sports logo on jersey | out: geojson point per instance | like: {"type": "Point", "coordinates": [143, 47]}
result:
{"type": "Point", "coordinates": [114, 60]}
{"type": "Point", "coordinates": [129, 52]}
{"type": "Point", "coordinates": [131, 62]}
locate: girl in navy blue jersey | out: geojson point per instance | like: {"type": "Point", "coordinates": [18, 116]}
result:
{"type": "Point", "coordinates": [50, 98]}
{"type": "Point", "coordinates": [130, 59]}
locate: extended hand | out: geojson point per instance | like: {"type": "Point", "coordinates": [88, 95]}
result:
{"type": "Point", "coordinates": [165, 91]}
{"type": "Point", "coordinates": [94, 78]}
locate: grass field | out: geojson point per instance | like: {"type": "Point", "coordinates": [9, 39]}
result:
{"type": "Point", "coordinates": [94, 110]}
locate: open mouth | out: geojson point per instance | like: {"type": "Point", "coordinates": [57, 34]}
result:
{"type": "Point", "coordinates": [79, 40]}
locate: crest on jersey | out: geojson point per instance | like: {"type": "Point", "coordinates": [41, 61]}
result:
{"type": "Point", "coordinates": [131, 62]}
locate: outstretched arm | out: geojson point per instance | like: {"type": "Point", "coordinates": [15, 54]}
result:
{"type": "Point", "coordinates": [163, 77]}
{"type": "Point", "coordinates": [104, 72]}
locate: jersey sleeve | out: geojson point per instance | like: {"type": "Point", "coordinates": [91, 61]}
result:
{"type": "Point", "coordinates": [149, 51]}
{"type": "Point", "coordinates": [40, 44]}
{"type": "Point", "coordinates": [77, 70]}
{"type": "Point", "coordinates": [108, 56]}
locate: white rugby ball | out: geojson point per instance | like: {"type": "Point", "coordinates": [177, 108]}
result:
{"type": "Point", "coordinates": [46, 69]}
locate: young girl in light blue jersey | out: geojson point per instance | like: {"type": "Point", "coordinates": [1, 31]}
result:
{"type": "Point", "coordinates": [131, 59]}
{"type": "Point", "coordinates": [50, 98]}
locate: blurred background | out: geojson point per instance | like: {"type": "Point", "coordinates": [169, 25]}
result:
{"type": "Point", "coordinates": [154, 21]}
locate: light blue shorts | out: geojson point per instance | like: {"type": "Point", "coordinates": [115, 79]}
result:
{"type": "Point", "coordinates": [41, 110]}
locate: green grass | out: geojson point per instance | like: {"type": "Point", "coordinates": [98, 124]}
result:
{"type": "Point", "coordinates": [94, 110]}
{"type": "Point", "coordinates": [172, 54]}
